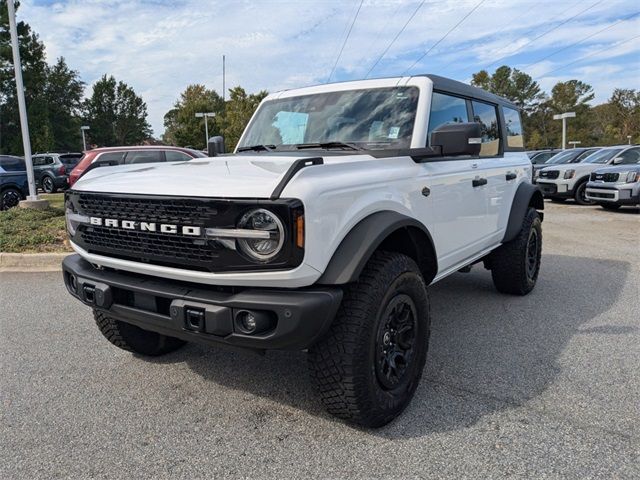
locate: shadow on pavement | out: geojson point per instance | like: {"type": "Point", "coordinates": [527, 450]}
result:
{"type": "Point", "coordinates": [489, 352]}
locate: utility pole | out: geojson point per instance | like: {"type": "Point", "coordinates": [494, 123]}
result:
{"type": "Point", "coordinates": [563, 117]}
{"type": "Point", "coordinates": [32, 200]}
{"type": "Point", "coordinates": [84, 141]}
{"type": "Point", "coordinates": [224, 81]}
{"type": "Point", "coordinates": [206, 125]}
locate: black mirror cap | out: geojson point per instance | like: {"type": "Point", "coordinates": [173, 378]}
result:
{"type": "Point", "coordinates": [458, 139]}
{"type": "Point", "coordinates": [215, 146]}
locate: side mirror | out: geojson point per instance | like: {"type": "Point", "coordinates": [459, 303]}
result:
{"type": "Point", "coordinates": [215, 146]}
{"type": "Point", "coordinates": [458, 139]}
{"type": "Point", "coordinates": [617, 161]}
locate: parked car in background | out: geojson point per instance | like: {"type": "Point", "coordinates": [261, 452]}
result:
{"type": "Point", "coordinates": [574, 155]}
{"type": "Point", "coordinates": [613, 187]}
{"type": "Point", "coordinates": [541, 156]}
{"type": "Point", "coordinates": [13, 181]}
{"type": "Point", "coordinates": [559, 182]}
{"type": "Point", "coordinates": [51, 170]}
{"type": "Point", "coordinates": [110, 156]}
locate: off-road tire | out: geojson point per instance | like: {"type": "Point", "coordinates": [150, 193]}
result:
{"type": "Point", "coordinates": [579, 194]}
{"type": "Point", "coordinates": [610, 207]}
{"type": "Point", "coordinates": [9, 198]}
{"type": "Point", "coordinates": [134, 339]}
{"type": "Point", "coordinates": [48, 184]}
{"type": "Point", "coordinates": [510, 268]}
{"type": "Point", "coordinates": [347, 364]}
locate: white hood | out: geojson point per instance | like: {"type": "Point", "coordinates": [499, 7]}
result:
{"type": "Point", "coordinates": [233, 176]}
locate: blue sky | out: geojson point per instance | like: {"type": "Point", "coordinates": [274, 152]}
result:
{"type": "Point", "coordinates": [159, 47]}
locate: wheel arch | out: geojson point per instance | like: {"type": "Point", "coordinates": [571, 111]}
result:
{"type": "Point", "coordinates": [385, 230]}
{"type": "Point", "coordinates": [527, 195]}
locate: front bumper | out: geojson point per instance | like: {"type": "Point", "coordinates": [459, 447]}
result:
{"type": "Point", "coordinates": [299, 316]}
{"type": "Point", "coordinates": [554, 189]}
{"type": "Point", "coordinates": [619, 195]}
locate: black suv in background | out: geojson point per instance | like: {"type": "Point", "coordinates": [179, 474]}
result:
{"type": "Point", "coordinates": [13, 181]}
{"type": "Point", "coordinates": [51, 170]}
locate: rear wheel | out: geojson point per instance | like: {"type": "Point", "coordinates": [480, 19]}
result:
{"type": "Point", "coordinates": [369, 363]}
{"type": "Point", "coordinates": [580, 195]}
{"type": "Point", "coordinates": [9, 198]}
{"type": "Point", "coordinates": [134, 339]}
{"type": "Point", "coordinates": [515, 265]}
{"type": "Point", "coordinates": [48, 185]}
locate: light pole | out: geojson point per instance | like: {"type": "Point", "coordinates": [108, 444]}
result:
{"type": "Point", "coordinates": [629, 139]}
{"type": "Point", "coordinates": [22, 108]}
{"type": "Point", "coordinates": [563, 117]}
{"type": "Point", "coordinates": [574, 143]}
{"type": "Point", "coordinates": [84, 140]}
{"type": "Point", "coordinates": [206, 125]}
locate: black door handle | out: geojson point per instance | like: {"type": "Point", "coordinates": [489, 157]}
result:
{"type": "Point", "coordinates": [478, 182]}
{"type": "Point", "coordinates": [511, 176]}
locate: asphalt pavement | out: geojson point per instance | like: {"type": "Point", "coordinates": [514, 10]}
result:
{"type": "Point", "coordinates": [543, 386]}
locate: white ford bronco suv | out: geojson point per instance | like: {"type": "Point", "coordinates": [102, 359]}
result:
{"type": "Point", "coordinates": [340, 205]}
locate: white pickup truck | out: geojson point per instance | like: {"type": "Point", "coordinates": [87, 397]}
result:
{"type": "Point", "coordinates": [322, 232]}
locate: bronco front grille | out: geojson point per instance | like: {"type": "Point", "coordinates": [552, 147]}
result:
{"type": "Point", "coordinates": [550, 174]}
{"type": "Point", "coordinates": [178, 250]}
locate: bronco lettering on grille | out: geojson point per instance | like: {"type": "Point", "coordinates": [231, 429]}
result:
{"type": "Point", "coordinates": [146, 226]}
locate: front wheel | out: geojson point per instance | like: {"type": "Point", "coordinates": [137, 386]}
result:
{"type": "Point", "coordinates": [515, 265]}
{"type": "Point", "coordinates": [134, 339]}
{"type": "Point", "coordinates": [9, 198]}
{"type": "Point", "coordinates": [580, 195]}
{"type": "Point", "coordinates": [369, 363]}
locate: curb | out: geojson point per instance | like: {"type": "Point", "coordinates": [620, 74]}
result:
{"type": "Point", "coordinates": [32, 262]}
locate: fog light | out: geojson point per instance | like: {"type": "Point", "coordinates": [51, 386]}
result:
{"type": "Point", "coordinates": [252, 322]}
{"type": "Point", "coordinates": [73, 283]}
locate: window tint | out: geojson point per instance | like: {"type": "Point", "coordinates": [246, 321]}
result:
{"type": "Point", "coordinates": [144, 156]}
{"type": "Point", "coordinates": [175, 156]}
{"type": "Point", "coordinates": [542, 157]}
{"type": "Point", "coordinates": [111, 157]}
{"type": "Point", "coordinates": [603, 156]}
{"type": "Point", "coordinates": [514, 128]}
{"type": "Point", "coordinates": [446, 109]}
{"type": "Point", "coordinates": [12, 164]}
{"type": "Point", "coordinates": [584, 155]}
{"type": "Point", "coordinates": [486, 115]}
{"type": "Point", "coordinates": [37, 161]}
{"type": "Point", "coordinates": [630, 156]}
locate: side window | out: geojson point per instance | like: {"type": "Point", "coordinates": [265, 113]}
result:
{"type": "Point", "coordinates": [175, 156]}
{"type": "Point", "coordinates": [111, 157]}
{"type": "Point", "coordinates": [583, 155]}
{"type": "Point", "coordinates": [48, 160]}
{"type": "Point", "coordinates": [446, 109]}
{"type": "Point", "coordinates": [37, 161]}
{"type": "Point", "coordinates": [630, 156]}
{"type": "Point", "coordinates": [513, 123]}
{"type": "Point", "coordinates": [143, 156]}
{"type": "Point", "coordinates": [487, 116]}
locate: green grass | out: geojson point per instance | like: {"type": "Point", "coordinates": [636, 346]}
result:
{"type": "Point", "coordinates": [25, 230]}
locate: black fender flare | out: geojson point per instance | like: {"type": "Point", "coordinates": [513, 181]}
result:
{"type": "Point", "coordinates": [361, 242]}
{"type": "Point", "coordinates": [526, 195]}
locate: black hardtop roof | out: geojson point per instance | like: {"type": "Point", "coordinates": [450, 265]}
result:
{"type": "Point", "coordinates": [459, 88]}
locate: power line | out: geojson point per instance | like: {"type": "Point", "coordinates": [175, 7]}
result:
{"type": "Point", "coordinates": [587, 56]}
{"type": "Point", "coordinates": [444, 36]}
{"type": "Point", "coordinates": [395, 38]}
{"type": "Point", "coordinates": [345, 41]}
{"type": "Point", "coordinates": [543, 34]}
{"type": "Point", "coordinates": [582, 40]}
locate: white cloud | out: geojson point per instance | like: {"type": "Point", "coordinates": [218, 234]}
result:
{"type": "Point", "coordinates": [159, 47]}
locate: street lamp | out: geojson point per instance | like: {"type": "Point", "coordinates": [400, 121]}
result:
{"type": "Point", "coordinates": [574, 143]}
{"type": "Point", "coordinates": [206, 125]}
{"type": "Point", "coordinates": [84, 141]}
{"type": "Point", "coordinates": [563, 117]}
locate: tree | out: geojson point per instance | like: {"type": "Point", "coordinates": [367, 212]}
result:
{"type": "Point", "coordinates": [64, 91]}
{"type": "Point", "coordinates": [625, 107]}
{"type": "Point", "coordinates": [34, 73]}
{"type": "Point", "coordinates": [182, 127]}
{"type": "Point", "coordinates": [238, 111]}
{"type": "Point", "coordinates": [116, 115]}
{"type": "Point", "coordinates": [513, 85]}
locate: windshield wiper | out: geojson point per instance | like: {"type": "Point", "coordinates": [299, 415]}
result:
{"type": "Point", "coordinates": [266, 148]}
{"type": "Point", "coordinates": [327, 145]}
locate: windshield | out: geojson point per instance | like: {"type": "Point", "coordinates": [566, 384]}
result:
{"type": "Point", "coordinates": [373, 119]}
{"type": "Point", "coordinates": [563, 157]}
{"type": "Point", "coordinates": [603, 156]}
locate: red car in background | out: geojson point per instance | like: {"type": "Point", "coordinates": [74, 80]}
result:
{"type": "Point", "coordinates": [108, 156]}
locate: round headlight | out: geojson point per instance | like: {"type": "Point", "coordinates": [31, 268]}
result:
{"type": "Point", "coordinates": [262, 249]}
